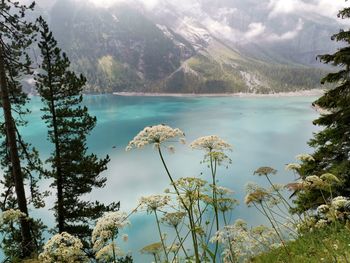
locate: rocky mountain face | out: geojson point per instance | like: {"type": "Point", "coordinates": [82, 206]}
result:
{"type": "Point", "coordinates": [196, 46]}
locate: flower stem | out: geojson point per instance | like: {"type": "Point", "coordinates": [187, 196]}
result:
{"type": "Point", "coordinates": [113, 251]}
{"type": "Point", "coordinates": [178, 236]}
{"type": "Point", "coordinates": [194, 237]}
{"type": "Point", "coordinates": [213, 173]}
{"type": "Point", "coordinates": [273, 226]}
{"type": "Point", "coordinates": [161, 237]}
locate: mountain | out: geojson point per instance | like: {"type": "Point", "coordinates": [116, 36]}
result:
{"type": "Point", "coordinates": [194, 46]}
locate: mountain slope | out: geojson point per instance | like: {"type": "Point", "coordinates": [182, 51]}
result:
{"type": "Point", "coordinates": [168, 49]}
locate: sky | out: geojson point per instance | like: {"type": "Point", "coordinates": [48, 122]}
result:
{"type": "Point", "coordinates": [259, 29]}
{"type": "Point", "coordinates": [262, 27]}
{"type": "Point", "coordinates": [277, 7]}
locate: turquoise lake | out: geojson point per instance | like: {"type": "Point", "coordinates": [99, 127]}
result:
{"type": "Point", "coordinates": [264, 131]}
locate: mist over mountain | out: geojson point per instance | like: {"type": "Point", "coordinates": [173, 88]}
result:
{"type": "Point", "coordinates": [198, 46]}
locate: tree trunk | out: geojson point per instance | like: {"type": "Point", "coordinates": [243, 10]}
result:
{"type": "Point", "coordinates": [27, 244]}
{"type": "Point", "coordinates": [58, 162]}
{"type": "Point", "coordinates": [59, 178]}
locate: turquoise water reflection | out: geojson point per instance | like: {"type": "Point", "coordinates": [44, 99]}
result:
{"type": "Point", "coordinates": [263, 131]}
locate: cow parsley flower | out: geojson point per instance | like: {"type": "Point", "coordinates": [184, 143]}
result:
{"type": "Point", "coordinates": [256, 197]}
{"type": "Point", "coordinates": [63, 248]}
{"type": "Point", "coordinates": [322, 209]}
{"type": "Point", "coordinates": [154, 135]}
{"type": "Point", "coordinates": [11, 215]}
{"type": "Point", "coordinates": [106, 254]}
{"type": "Point", "coordinates": [173, 219]}
{"type": "Point", "coordinates": [265, 170]}
{"type": "Point", "coordinates": [330, 178]}
{"type": "Point", "coordinates": [190, 184]}
{"type": "Point", "coordinates": [153, 249]}
{"type": "Point", "coordinates": [293, 167]}
{"type": "Point", "coordinates": [313, 181]}
{"type": "Point", "coordinates": [106, 228]}
{"type": "Point", "coordinates": [255, 193]}
{"type": "Point", "coordinates": [240, 242]}
{"type": "Point", "coordinates": [304, 157]}
{"type": "Point", "coordinates": [154, 202]}
{"type": "Point", "coordinates": [210, 143]}
{"type": "Point", "coordinates": [339, 202]}
{"type": "Point", "coordinates": [221, 191]}
{"type": "Point", "coordinates": [296, 186]}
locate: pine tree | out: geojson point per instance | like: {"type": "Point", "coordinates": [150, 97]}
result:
{"type": "Point", "coordinates": [75, 172]}
{"type": "Point", "coordinates": [332, 144]}
{"type": "Point", "coordinates": [18, 160]}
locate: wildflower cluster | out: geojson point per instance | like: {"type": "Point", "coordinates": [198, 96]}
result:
{"type": "Point", "coordinates": [173, 219]}
{"type": "Point", "coordinates": [214, 148]}
{"type": "Point", "coordinates": [304, 158]}
{"type": "Point", "coordinates": [11, 215]}
{"type": "Point", "coordinates": [153, 249]}
{"type": "Point", "coordinates": [336, 211]}
{"type": "Point", "coordinates": [63, 248]}
{"type": "Point", "coordinates": [241, 242]}
{"type": "Point", "coordinates": [154, 202]}
{"type": "Point", "coordinates": [210, 143]}
{"type": "Point", "coordinates": [256, 194]}
{"type": "Point", "coordinates": [105, 233]}
{"type": "Point", "coordinates": [155, 135]}
{"type": "Point", "coordinates": [189, 207]}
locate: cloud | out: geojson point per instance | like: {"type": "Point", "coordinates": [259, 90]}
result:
{"type": "Point", "coordinates": [254, 30]}
{"type": "Point", "coordinates": [287, 35]}
{"type": "Point", "coordinates": [150, 4]}
{"type": "Point", "coordinates": [107, 3]}
{"type": "Point", "coordinates": [194, 20]}
{"type": "Point", "coordinates": [223, 12]}
{"type": "Point", "coordinates": [327, 8]}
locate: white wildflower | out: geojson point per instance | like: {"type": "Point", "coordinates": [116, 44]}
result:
{"type": "Point", "coordinates": [339, 202]}
{"type": "Point", "coordinates": [106, 228]}
{"type": "Point", "coordinates": [152, 249]}
{"type": "Point", "coordinates": [305, 157]}
{"type": "Point", "coordinates": [63, 248]}
{"type": "Point", "coordinates": [154, 202]}
{"type": "Point", "coordinates": [265, 170]}
{"type": "Point", "coordinates": [220, 190]}
{"type": "Point", "coordinates": [313, 181]}
{"type": "Point", "coordinates": [330, 178]}
{"type": "Point", "coordinates": [154, 135]}
{"type": "Point", "coordinates": [210, 143]}
{"type": "Point", "coordinates": [293, 167]}
{"type": "Point", "coordinates": [322, 209]}
{"type": "Point", "coordinates": [106, 254]}
{"type": "Point", "coordinates": [11, 215]}
{"type": "Point", "coordinates": [173, 219]}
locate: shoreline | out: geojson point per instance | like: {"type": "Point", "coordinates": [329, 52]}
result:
{"type": "Point", "coordinates": [302, 93]}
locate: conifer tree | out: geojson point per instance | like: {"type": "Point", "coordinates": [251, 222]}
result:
{"type": "Point", "coordinates": [17, 158]}
{"type": "Point", "coordinates": [332, 144]}
{"type": "Point", "coordinates": [74, 171]}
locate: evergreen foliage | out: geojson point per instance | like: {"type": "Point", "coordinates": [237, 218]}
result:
{"type": "Point", "coordinates": [332, 144]}
{"type": "Point", "coordinates": [19, 161]}
{"type": "Point", "coordinates": [75, 172]}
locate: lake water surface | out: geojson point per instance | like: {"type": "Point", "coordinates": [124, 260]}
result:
{"type": "Point", "coordinates": [265, 131]}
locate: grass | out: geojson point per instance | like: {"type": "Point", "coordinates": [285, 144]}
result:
{"type": "Point", "coordinates": [330, 244]}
